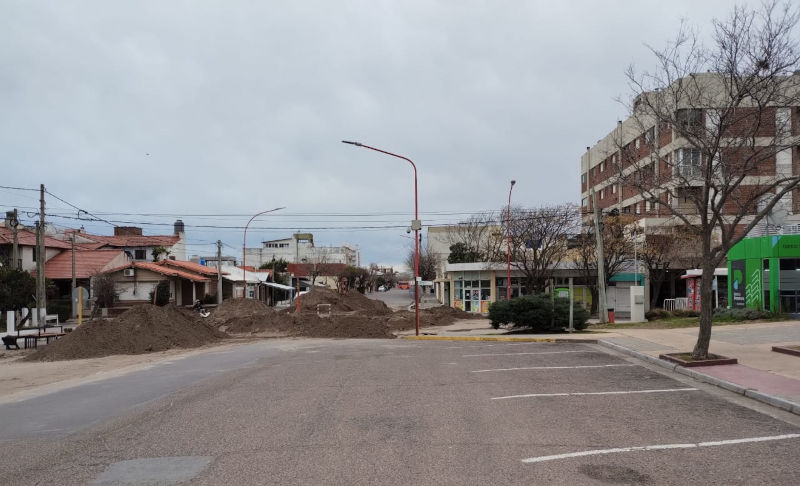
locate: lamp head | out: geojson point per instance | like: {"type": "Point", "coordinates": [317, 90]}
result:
{"type": "Point", "coordinates": [357, 144]}
{"type": "Point", "coordinates": [513, 182]}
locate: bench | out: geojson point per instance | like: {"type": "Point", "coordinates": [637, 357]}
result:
{"type": "Point", "coordinates": [32, 340]}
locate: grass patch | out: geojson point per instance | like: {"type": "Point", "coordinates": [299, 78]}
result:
{"type": "Point", "coordinates": [672, 323]}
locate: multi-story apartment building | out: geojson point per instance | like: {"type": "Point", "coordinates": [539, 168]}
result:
{"type": "Point", "coordinates": [699, 140]}
{"type": "Point", "coordinates": [646, 145]}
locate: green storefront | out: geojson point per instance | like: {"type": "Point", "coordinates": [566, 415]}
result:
{"type": "Point", "coordinates": [764, 273]}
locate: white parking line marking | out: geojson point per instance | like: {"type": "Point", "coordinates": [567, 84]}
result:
{"type": "Point", "coordinates": [554, 368]}
{"type": "Point", "coordinates": [526, 354]}
{"type": "Point", "coordinates": [657, 447]}
{"type": "Point", "coordinates": [579, 394]}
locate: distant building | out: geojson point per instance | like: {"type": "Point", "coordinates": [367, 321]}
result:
{"type": "Point", "coordinates": [300, 248]}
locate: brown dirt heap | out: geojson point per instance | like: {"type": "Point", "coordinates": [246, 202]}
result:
{"type": "Point", "coordinates": [142, 329]}
{"type": "Point", "coordinates": [245, 316]}
{"type": "Point", "coordinates": [351, 301]}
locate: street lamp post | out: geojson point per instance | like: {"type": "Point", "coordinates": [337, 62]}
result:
{"type": "Point", "coordinates": [244, 250]}
{"type": "Point", "coordinates": [416, 225]}
{"type": "Point", "coordinates": [508, 242]}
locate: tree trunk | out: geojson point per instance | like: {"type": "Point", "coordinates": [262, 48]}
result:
{"type": "Point", "coordinates": [655, 288]}
{"type": "Point", "coordinates": [706, 312]}
{"type": "Point", "coordinates": [595, 300]}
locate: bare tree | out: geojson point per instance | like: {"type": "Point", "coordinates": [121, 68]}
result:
{"type": "Point", "coordinates": [538, 239]}
{"type": "Point", "coordinates": [717, 150]}
{"type": "Point", "coordinates": [480, 235]}
{"type": "Point", "coordinates": [662, 252]}
{"type": "Point", "coordinates": [428, 262]}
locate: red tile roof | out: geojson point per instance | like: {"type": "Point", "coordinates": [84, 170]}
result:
{"type": "Point", "coordinates": [28, 238]}
{"type": "Point", "coordinates": [192, 267]}
{"type": "Point", "coordinates": [163, 270]}
{"type": "Point", "coordinates": [134, 240]}
{"type": "Point", "coordinates": [87, 263]}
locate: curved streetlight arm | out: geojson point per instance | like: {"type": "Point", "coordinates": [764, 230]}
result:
{"type": "Point", "coordinates": [416, 226]}
{"type": "Point", "coordinates": [244, 249]}
{"type": "Point", "coordinates": [359, 144]}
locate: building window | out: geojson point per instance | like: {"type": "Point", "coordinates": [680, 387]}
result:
{"type": "Point", "coordinates": [139, 254]}
{"type": "Point", "coordinates": [584, 203]}
{"type": "Point", "coordinates": [647, 206]}
{"type": "Point", "coordinates": [636, 144]}
{"type": "Point", "coordinates": [687, 162]}
{"type": "Point", "coordinates": [650, 135]}
{"type": "Point", "coordinates": [614, 189]}
{"type": "Point", "coordinates": [602, 193]}
{"type": "Point", "coordinates": [583, 178]}
{"type": "Point", "coordinates": [636, 208]}
{"type": "Point", "coordinates": [603, 166]}
{"type": "Point", "coordinates": [688, 118]}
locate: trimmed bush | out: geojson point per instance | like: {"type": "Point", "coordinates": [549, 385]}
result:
{"type": "Point", "coordinates": [538, 313]}
{"type": "Point", "coordinates": [723, 314]}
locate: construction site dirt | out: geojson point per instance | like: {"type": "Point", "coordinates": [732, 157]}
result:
{"type": "Point", "coordinates": [323, 314]}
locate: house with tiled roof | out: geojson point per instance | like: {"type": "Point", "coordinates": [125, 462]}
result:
{"type": "Point", "coordinates": [88, 263]}
{"type": "Point", "coordinates": [26, 241]}
{"type": "Point", "coordinates": [135, 281]}
{"type": "Point", "coordinates": [137, 245]}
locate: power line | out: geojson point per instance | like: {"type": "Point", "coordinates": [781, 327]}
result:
{"type": "Point", "coordinates": [79, 209]}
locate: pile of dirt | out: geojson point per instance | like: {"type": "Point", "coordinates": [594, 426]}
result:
{"type": "Point", "coordinates": [142, 329]}
{"type": "Point", "coordinates": [349, 302]}
{"type": "Point", "coordinates": [341, 326]}
{"type": "Point", "coordinates": [247, 316]}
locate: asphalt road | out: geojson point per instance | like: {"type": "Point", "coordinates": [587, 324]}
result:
{"type": "Point", "coordinates": [397, 412]}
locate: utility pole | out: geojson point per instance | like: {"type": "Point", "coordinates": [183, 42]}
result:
{"type": "Point", "coordinates": [42, 302]}
{"type": "Point", "coordinates": [15, 262]}
{"type": "Point", "coordinates": [219, 272]}
{"type": "Point", "coordinates": [74, 281]}
{"type": "Point", "coordinates": [38, 255]}
{"type": "Point", "coordinates": [601, 270]}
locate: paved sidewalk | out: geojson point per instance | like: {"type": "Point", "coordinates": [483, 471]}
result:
{"type": "Point", "coordinates": [760, 371]}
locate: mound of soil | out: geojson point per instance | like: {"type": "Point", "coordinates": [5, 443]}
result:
{"type": "Point", "coordinates": [142, 329]}
{"type": "Point", "coordinates": [341, 326]}
{"type": "Point", "coordinates": [246, 316]}
{"type": "Point", "coordinates": [349, 302]}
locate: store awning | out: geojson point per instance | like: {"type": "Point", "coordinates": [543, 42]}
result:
{"type": "Point", "coordinates": [628, 277]}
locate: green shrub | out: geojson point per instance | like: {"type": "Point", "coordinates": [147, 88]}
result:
{"type": "Point", "coordinates": [537, 312]}
{"type": "Point", "coordinates": [162, 293]}
{"type": "Point", "coordinates": [723, 314]}
{"type": "Point", "coordinates": [655, 314]}
{"type": "Point", "coordinates": [580, 316]}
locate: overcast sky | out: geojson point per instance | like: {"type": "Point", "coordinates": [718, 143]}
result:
{"type": "Point", "coordinates": [132, 110]}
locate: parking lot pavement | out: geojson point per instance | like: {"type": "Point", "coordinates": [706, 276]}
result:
{"type": "Point", "coordinates": [598, 415]}
{"type": "Point", "coordinates": [415, 412]}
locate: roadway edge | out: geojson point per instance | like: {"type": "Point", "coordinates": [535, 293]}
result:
{"type": "Point", "coordinates": [771, 400]}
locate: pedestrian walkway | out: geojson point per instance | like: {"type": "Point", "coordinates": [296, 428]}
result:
{"type": "Point", "coordinates": [760, 370]}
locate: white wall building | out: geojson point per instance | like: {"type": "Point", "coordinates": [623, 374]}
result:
{"type": "Point", "coordinates": [300, 248]}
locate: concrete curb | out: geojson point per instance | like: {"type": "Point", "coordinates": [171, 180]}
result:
{"type": "Point", "coordinates": [771, 400]}
{"type": "Point", "coordinates": [498, 338]}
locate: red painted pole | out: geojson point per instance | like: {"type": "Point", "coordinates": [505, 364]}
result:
{"type": "Point", "coordinates": [508, 242]}
{"type": "Point", "coordinates": [416, 218]}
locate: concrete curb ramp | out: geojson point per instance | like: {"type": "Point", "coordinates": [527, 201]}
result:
{"type": "Point", "coordinates": [771, 400]}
